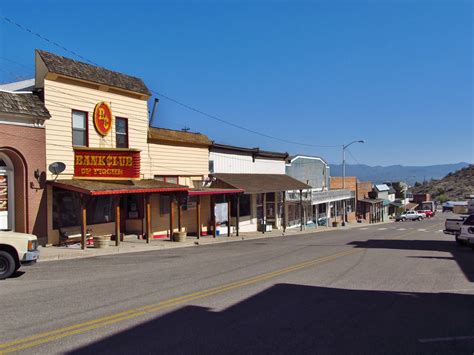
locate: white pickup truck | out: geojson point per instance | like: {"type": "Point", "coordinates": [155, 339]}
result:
{"type": "Point", "coordinates": [16, 249]}
{"type": "Point", "coordinates": [410, 215]}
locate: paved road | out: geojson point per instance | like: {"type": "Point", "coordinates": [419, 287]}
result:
{"type": "Point", "coordinates": [392, 288]}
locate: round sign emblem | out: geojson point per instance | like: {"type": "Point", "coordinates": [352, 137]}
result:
{"type": "Point", "coordinates": [102, 118]}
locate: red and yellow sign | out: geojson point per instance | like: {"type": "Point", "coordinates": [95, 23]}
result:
{"type": "Point", "coordinates": [102, 118]}
{"type": "Point", "coordinates": [109, 164]}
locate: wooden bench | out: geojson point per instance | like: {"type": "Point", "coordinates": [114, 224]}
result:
{"type": "Point", "coordinates": [73, 235]}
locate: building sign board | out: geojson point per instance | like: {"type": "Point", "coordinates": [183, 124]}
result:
{"type": "Point", "coordinates": [108, 164]}
{"type": "Point", "coordinates": [102, 118]}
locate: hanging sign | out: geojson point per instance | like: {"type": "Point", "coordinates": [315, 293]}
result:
{"type": "Point", "coordinates": [102, 118]}
{"type": "Point", "coordinates": [109, 164]}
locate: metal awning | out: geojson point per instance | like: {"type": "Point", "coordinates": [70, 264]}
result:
{"type": "Point", "coordinates": [97, 188]}
{"type": "Point", "coordinates": [318, 197]}
{"type": "Point", "coordinates": [213, 191]}
{"type": "Point", "coordinates": [259, 183]}
{"type": "Point", "coordinates": [372, 201]}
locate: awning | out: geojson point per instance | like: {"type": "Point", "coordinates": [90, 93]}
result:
{"type": "Point", "coordinates": [259, 183]}
{"type": "Point", "coordinates": [410, 206]}
{"type": "Point", "coordinates": [372, 201]}
{"type": "Point", "coordinates": [386, 202]}
{"type": "Point", "coordinates": [96, 188]}
{"type": "Point", "coordinates": [212, 191]}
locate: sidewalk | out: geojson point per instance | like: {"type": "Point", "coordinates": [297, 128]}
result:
{"type": "Point", "coordinates": [133, 245]}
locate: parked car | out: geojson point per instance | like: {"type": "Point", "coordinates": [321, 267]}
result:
{"type": "Point", "coordinates": [409, 215]}
{"type": "Point", "coordinates": [16, 249]}
{"type": "Point", "coordinates": [422, 213]}
{"type": "Point", "coordinates": [467, 232]}
{"type": "Point", "coordinates": [452, 226]}
{"type": "Point", "coordinates": [428, 213]}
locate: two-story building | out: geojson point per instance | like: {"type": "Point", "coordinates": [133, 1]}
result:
{"type": "Point", "coordinates": [261, 175]}
{"type": "Point", "coordinates": [321, 204]}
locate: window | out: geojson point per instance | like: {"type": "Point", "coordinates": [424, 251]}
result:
{"type": "Point", "coordinates": [79, 128]}
{"type": "Point", "coordinates": [121, 132]}
{"type": "Point", "coordinates": [100, 209]}
{"type": "Point", "coordinates": [170, 179]}
{"type": "Point", "coordinates": [245, 203]}
{"type": "Point", "coordinates": [211, 166]}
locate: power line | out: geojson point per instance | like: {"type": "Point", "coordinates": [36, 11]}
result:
{"type": "Point", "coordinates": [216, 118]}
{"type": "Point", "coordinates": [44, 38]}
{"type": "Point", "coordinates": [178, 102]}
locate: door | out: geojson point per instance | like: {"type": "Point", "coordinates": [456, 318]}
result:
{"type": "Point", "coordinates": [6, 194]}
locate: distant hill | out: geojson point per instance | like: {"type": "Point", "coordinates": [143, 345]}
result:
{"type": "Point", "coordinates": [452, 187]}
{"type": "Point", "coordinates": [409, 174]}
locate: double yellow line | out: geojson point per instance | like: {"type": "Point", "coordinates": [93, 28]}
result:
{"type": "Point", "coordinates": [53, 335]}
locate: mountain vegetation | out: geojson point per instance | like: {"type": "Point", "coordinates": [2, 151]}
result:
{"type": "Point", "coordinates": [454, 186]}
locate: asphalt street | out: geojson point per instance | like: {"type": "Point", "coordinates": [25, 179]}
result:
{"type": "Point", "coordinates": [395, 288]}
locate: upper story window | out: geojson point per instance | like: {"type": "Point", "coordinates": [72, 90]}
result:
{"type": "Point", "coordinates": [167, 178]}
{"type": "Point", "coordinates": [79, 128]}
{"type": "Point", "coordinates": [121, 132]}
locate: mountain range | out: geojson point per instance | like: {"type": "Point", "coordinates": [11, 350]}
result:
{"type": "Point", "coordinates": [409, 174]}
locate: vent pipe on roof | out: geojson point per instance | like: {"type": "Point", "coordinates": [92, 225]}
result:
{"type": "Point", "coordinates": [153, 111]}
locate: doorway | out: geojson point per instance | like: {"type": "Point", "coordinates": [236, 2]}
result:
{"type": "Point", "coordinates": [7, 193]}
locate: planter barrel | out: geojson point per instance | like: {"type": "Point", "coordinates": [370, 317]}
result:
{"type": "Point", "coordinates": [179, 236]}
{"type": "Point", "coordinates": [101, 242]}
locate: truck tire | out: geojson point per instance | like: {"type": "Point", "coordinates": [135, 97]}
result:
{"type": "Point", "coordinates": [7, 265]}
{"type": "Point", "coordinates": [459, 241]}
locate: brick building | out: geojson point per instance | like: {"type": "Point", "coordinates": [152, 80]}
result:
{"type": "Point", "coordinates": [22, 162]}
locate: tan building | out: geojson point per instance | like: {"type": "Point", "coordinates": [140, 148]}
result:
{"type": "Point", "coordinates": [115, 175]}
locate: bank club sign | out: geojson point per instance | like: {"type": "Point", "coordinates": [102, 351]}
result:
{"type": "Point", "coordinates": [106, 164]}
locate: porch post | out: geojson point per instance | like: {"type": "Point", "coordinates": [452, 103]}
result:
{"type": "Point", "coordinates": [264, 213]}
{"type": "Point", "coordinates": [171, 216]}
{"type": "Point", "coordinates": [179, 214]}
{"type": "Point", "coordinates": [228, 215]}
{"type": "Point", "coordinates": [316, 213]}
{"type": "Point", "coordinates": [83, 222]}
{"type": "Point", "coordinates": [301, 210]}
{"type": "Point", "coordinates": [213, 216]}
{"type": "Point", "coordinates": [198, 216]}
{"type": "Point", "coordinates": [328, 214]}
{"type": "Point", "coordinates": [237, 220]}
{"type": "Point", "coordinates": [284, 211]}
{"type": "Point", "coordinates": [117, 221]}
{"type": "Point", "coordinates": [148, 218]}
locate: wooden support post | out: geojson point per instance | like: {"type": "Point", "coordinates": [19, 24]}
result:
{"type": "Point", "coordinates": [213, 217]}
{"type": "Point", "coordinates": [198, 216]}
{"type": "Point", "coordinates": [171, 216]}
{"type": "Point", "coordinates": [83, 223]}
{"type": "Point", "coordinates": [237, 219]}
{"type": "Point", "coordinates": [264, 213]}
{"type": "Point", "coordinates": [117, 221]}
{"type": "Point", "coordinates": [148, 218]}
{"type": "Point", "coordinates": [285, 222]}
{"type": "Point", "coordinates": [228, 215]}
{"type": "Point", "coordinates": [316, 215]}
{"type": "Point", "coordinates": [180, 214]}
{"type": "Point", "coordinates": [328, 214]}
{"type": "Point", "coordinates": [301, 210]}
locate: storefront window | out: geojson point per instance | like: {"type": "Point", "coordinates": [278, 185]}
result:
{"type": "Point", "coordinates": [100, 209]}
{"type": "Point", "coordinates": [67, 209]}
{"type": "Point", "coordinates": [134, 206]}
{"type": "Point", "coordinates": [121, 132]}
{"type": "Point", "coordinates": [79, 128]}
{"type": "Point", "coordinates": [245, 203]}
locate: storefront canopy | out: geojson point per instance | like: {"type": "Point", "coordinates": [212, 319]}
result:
{"type": "Point", "coordinates": [372, 201]}
{"type": "Point", "coordinates": [260, 183]}
{"type": "Point", "coordinates": [96, 188]}
{"type": "Point", "coordinates": [213, 191]}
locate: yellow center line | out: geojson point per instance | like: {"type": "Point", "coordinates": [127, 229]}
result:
{"type": "Point", "coordinates": [59, 333]}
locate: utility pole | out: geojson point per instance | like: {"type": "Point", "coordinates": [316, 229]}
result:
{"type": "Point", "coordinates": [344, 147]}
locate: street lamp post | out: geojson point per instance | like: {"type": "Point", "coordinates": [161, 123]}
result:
{"type": "Point", "coordinates": [344, 215]}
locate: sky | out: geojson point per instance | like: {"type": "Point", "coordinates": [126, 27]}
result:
{"type": "Point", "coordinates": [308, 76]}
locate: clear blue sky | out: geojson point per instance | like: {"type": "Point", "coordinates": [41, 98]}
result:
{"type": "Point", "coordinates": [396, 73]}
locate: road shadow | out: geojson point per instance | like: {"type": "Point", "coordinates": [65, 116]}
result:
{"type": "Point", "coordinates": [296, 319]}
{"type": "Point", "coordinates": [463, 256]}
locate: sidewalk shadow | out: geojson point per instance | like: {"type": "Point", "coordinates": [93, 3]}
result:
{"type": "Point", "coordinates": [464, 256]}
{"type": "Point", "coordinates": [296, 319]}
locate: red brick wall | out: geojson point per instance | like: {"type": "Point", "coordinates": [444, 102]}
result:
{"type": "Point", "coordinates": [350, 183]}
{"type": "Point", "coordinates": [25, 146]}
{"type": "Point", "coordinates": [363, 189]}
